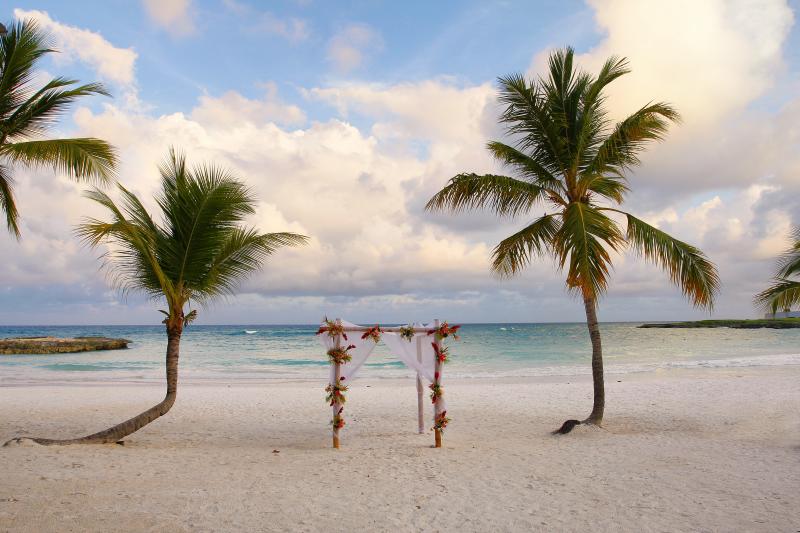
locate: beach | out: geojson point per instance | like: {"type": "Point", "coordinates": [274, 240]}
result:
{"type": "Point", "coordinates": [709, 449]}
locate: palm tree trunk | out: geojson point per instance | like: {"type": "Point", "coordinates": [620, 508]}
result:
{"type": "Point", "coordinates": [120, 431]}
{"type": "Point", "coordinates": [596, 417]}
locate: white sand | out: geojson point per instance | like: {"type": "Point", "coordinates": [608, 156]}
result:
{"type": "Point", "coordinates": [707, 450]}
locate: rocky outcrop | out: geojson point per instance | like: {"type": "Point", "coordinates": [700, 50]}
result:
{"type": "Point", "coordinates": [48, 345]}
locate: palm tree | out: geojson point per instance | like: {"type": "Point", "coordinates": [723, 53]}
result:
{"type": "Point", "coordinates": [784, 291]}
{"type": "Point", "coordinates": [570, 159]}
{"type": "Point", "coordinates": [199, 251]}
{"type": "Point", "coordinates": [27, 112]}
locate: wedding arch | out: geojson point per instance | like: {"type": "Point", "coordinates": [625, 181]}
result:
{"type": "Point", "coordinates": [418, 346]}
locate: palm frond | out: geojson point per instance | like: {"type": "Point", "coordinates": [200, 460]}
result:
{"type": "Point", "coordinates": [20, 49]}
{"type": "Point", "coordinates": [527, 118]}
{"type": "Point", "coordinates": [7, 204]}
{"type": "Point", "coordinates": [782, 294]}
{"type": "Point", "coordinates": [41, 110]}
{"type": "Point", "coordinates": [583, 241]}
{"type": "Point", "coordinates": [80, 158]}
{"type": "Point", "coordinates": [514, 253]}
{"type": "Point", "coordinates": [789, 262]}
{"type": "Point", "coordinates": [503, 195]}
{"type": "Point", "coordinates": [622, 147]}
{"type": "Point", "coordinates": [687, 266]}
{"type": "Point", "coordinates": [243, 252]}
{"type": "Point", "coordinates": [133, 260]}
{"type": "Point", "coordinates": [525, 165]}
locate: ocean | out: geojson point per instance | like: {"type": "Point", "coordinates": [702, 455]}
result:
{"type": "Point", "coordinates": [260, 352]}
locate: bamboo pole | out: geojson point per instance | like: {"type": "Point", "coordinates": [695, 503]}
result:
{"type": "Point", "coordinates": [420, 391]}
{"type": "Point", "coordinates": [392, 329]}
{"type": "Point", "coordinates": [437, 406]}
{"type": "Point", "coordinates": [337, 374]}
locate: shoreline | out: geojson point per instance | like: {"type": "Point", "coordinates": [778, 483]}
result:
{"type": "Point", "coordinates": [544, 373]}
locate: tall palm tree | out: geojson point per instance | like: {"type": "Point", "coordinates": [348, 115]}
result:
{"type": "Point", "coordinates": [784, 291]}
{"type": "Point", "coordinates": [200, 250]}
{"type": "Point", "coordinates": [27, 111]}
{"type": "Point", "coordinates": [569, 159]}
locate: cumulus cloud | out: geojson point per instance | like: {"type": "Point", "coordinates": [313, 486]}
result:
{"type": "Point", "coordinates": [112, 64]}
{"type": "Point", "coordinates": [232, 109]}
{"type": "Point", "coordinates": [725, 181]}
{"type": "Point", "coordinates": [352, 46]}
{"type": "Point", "coordinates": [175, 16]}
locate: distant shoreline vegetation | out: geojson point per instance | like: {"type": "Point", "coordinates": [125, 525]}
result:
{"type": "Point", "coordinates": [772, 323]}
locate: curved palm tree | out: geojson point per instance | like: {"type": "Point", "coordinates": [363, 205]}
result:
{"type": "Point", "coordinates": [199, 251]}
{"type": "Point", "coordinates": [784, 291]}
{"type": "Point", "coordinates": [569, 158]}
{"type": "Point", "coordinates": [27, 112]}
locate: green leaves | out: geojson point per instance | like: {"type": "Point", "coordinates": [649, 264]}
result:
{"type": "Point", "coordinates": [82, 158]}
{"type": "Point", "coordinates": [620, 150]}
{"type": "Point", "coordinates": [784, 292]}
{"type": "Point", "coordinates": [582, 243]}
{"type": "Point", "coordinates": [27, 112]}
{"type": "Point", "coordinates": [514, 253]}
{"type": "Point", "coordinates": [503, 195]}
{"type": "Point", "coordinates": [7, 203]}
{"type": "Point", "coordinates": [200, 250]}
{"type": "Point", "coordinates": [687, 266]}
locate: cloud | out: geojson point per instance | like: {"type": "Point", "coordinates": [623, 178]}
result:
{"type": "Point", "coordinates": [352, 46]}
{"type": "Point", "coordinates": [293, 29]}
{"type": "Point", "coordinates": [232, 109]}
{"type": "Point", "coordinates": [175, 16]}
{"type": "Point", "coordinates": [726, 181]}
{"type": "Point", "coordinates": [112, 64]}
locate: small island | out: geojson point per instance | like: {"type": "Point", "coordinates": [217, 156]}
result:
{"type": "Point", "coordinates": [773, 323]}
{"type": "Point", "coordinates": [50, 345]}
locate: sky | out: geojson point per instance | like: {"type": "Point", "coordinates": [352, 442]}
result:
{"type": "Point", "coordinates": [345, 117]}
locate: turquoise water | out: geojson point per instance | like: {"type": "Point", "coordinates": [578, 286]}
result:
{"type": "Point", "coordinates": [240, 353]}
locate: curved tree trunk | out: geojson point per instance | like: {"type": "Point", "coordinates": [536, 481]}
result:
{"type": "Point", "coordinates": [120, 431]}
{"type": "Point", "coordinates": [596, 417]}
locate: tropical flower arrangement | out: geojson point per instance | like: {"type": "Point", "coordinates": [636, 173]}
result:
{"type": "Point", "coordinates": [373, 333]}
{"type": "Point", "coordinates": [336, 394]}
{"type": "Point", "coordinates": [441, 421]}
{"type": "Point", "coordinates": [340, 355]}
{"type": "Point", "coordinates": [332, 328]}
{"type": "Point", "coordinates": [444, 331]}
{"type": "Point", "coordinates": [338, 420]}
{"type": "Point", "coordinates": [436, 389]}
{"type": "Point", "coordinates": [407, 333]}
{"type": "Point", "coordinates": [442, 353]}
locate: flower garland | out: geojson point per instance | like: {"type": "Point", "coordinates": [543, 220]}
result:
{"type": "Point", "coordinates": [373, 333]}
{"type": "Point", "coordinates": [441, 422]}
{"type": "Point", "coordinates": [436, 388]}
{"type": "Point", "coordinates": [407, 332]}
{"type": "Point", "coordinates": [444, 331]}
{"type": "Point", "coordinates": [336, 394]}
{"type": "Point", "coordinates": [340, 355]}
{"type": "Point", "coordinates": [338, 420]}
{"type": "Point", "coordinates": [332, 328]}
{"type": "Point", "coordinates": [442, 353]}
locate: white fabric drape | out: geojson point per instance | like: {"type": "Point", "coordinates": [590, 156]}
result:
{"type": "Point", "coordinates": [363, 348]}
{"type": "Point", "coordinates": [406, 351]}
{"type": "Point", "coordinates": [417, 354]}
{"type": "Point", "coordinates": [420, 345]}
